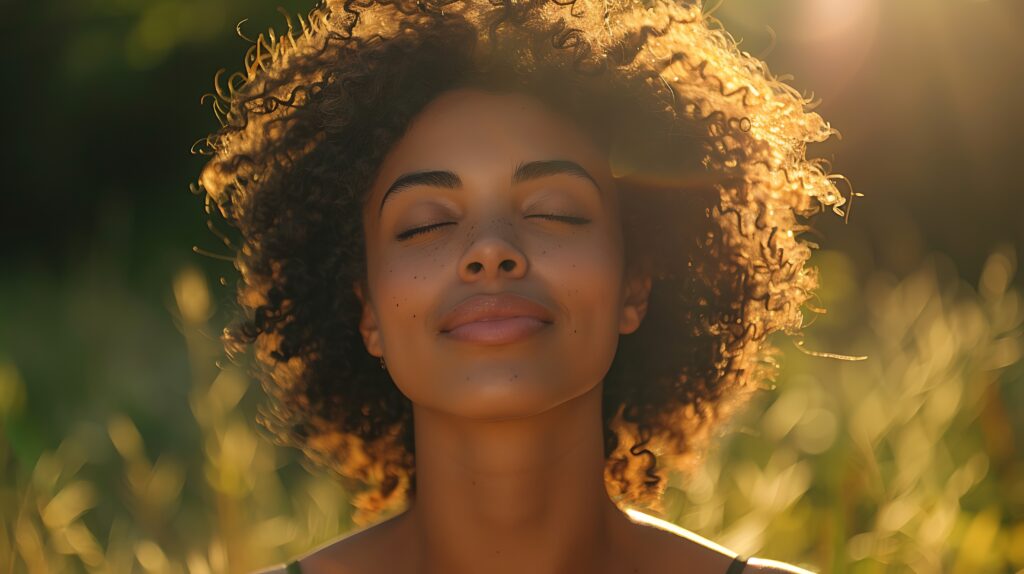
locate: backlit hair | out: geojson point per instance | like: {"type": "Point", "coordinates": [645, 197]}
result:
{"type": "Point", "coordinates": [709, 146]}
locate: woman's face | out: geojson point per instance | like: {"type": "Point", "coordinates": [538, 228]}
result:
{"type": "Point", "coordinates": [502, 217]}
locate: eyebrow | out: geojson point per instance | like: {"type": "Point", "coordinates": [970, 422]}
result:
{"type": "Point", "coordinates": [524, 172]}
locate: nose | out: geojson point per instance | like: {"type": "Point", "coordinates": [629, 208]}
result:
{"type": "Point", "coordinates": [491, 255]}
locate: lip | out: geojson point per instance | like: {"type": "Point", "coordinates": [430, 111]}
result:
{"type": "Point", "coordinates": [495, 318]}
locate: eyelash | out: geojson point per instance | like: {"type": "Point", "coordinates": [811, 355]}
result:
{"type": "Point", "coordinates": [418, 230]}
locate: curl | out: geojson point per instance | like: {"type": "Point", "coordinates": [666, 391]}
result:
{"type": "Point", "coordinates": [315, 108]}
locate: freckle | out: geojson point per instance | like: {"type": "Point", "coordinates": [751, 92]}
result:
{"type": "Point", "coordinates": [414, 315]}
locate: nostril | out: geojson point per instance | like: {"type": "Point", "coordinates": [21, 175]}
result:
{"type": "Point", "coordinates": [508, 265]}
{"type": "Point", "coordinates": [475, 266]}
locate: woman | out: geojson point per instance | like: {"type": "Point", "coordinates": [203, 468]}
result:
{"type": "Point", "coordinates": [507, 263]}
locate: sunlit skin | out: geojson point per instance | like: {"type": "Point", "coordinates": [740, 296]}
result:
{"type": "Point", "coordinates": [509, 447]}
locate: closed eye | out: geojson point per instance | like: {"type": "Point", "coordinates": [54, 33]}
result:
{"type": "Point", "coordinates": [426, 228]}
{"type": "Point", "coordinates": [417, 230]}
{"type": "Point", "coordinates": [566, 218]}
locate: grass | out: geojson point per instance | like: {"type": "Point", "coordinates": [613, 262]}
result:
{"type": "Point", "coordinates": [906, 461]}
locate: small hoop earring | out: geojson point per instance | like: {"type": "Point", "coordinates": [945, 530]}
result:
{"type": "Point", "coordinates": [382, 366]}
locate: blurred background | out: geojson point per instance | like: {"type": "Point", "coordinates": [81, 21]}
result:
{"type": "Point", "coordinates": [127, 443]}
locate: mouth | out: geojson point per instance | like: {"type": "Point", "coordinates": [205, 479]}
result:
{"type": "Point", "coordinates": [495, 318]}
{"type": "Point", "coordinates": [497, 331]}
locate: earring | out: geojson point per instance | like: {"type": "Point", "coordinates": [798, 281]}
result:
{"type": "Point", "coordinates": [382, 366]}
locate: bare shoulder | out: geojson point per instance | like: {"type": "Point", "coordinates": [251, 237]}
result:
{"type": "Point", "coordinates": [764, 566]}
{"type": "Point", "coordinates": [279, 569]}
{"type": "Point", "coordinates": [675, 545]}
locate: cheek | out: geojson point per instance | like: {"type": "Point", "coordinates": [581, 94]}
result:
{"type": "Point", "coordinates": [588, 279]}
{"type": "Point", "coordinates": [580, 275]}
{"type": "Point", "coordinates": [411, 286]}
{"type": "Point", "coordinates": [408, 287]}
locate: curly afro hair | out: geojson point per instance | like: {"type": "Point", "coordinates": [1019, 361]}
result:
{"type": "Point", "coordinates": [708, 145]}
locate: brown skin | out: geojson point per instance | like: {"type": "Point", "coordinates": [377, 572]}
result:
{"type": "Point", "coordinates": [509, 451]}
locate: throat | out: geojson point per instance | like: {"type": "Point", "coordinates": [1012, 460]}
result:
{"type": "Point", "coordinates": [517, 495]}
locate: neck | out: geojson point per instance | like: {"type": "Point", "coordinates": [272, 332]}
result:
{"type": "Point", "coordinates": [517, 495]}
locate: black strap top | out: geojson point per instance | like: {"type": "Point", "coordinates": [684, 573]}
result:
{"type": "Point", "coordinates": [736, 567]}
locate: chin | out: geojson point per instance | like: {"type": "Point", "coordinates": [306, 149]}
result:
{"type": "Point", "coordinates": [497, 394]}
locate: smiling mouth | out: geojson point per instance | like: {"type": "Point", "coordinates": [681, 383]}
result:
{"type": "Point", "coordinates": [495, 318]}
{"type": "Point", "coordinates": [497, 331]}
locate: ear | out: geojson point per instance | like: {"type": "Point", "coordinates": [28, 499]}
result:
{"type": "Point", "coordinates": [368, 326]}
{"type": "Point", "coordinates": [634, 301]}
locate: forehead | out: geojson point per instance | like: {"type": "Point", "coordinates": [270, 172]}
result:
{"type": "Point", "coordinates": [477, 133]}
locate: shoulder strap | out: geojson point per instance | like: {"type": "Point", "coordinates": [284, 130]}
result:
{"type": "Point", "coordinates": [293, 567]}
{"type": "Point", "coordinates": [737, 565]}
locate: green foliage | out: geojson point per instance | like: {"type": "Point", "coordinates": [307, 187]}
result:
{"type": "Point", "coordinates": [902, 462]}
{"type": "Point", "coordinates": [125, 448]}
{"type": "Point", "coordinates": [216, 498]}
